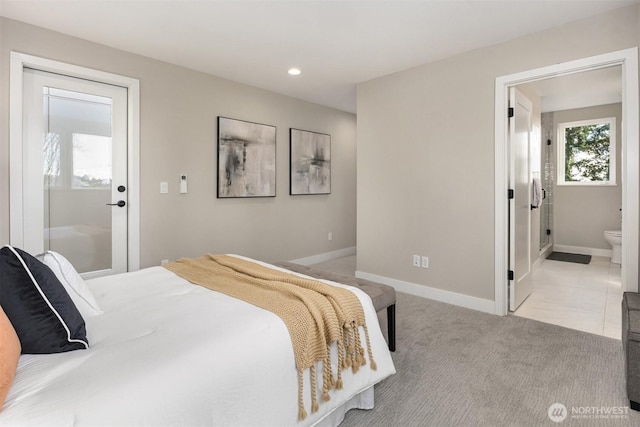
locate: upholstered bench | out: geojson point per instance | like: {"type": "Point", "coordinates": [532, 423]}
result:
{"type": "Point", "coordinates": [631, 346]}
{"type": "Point", "coordinates": [383, 296]}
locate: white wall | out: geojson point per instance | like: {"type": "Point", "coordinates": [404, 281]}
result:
{"type": "Point", "coordinates": [178, 135]}
{"type": "Point", "coordinates": [426, 155]}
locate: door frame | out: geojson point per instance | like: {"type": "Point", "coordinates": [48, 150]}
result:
{"type": "Point", "coordinates": [628, 60]}
{"type": "Point", "coordinates": [20, 61]}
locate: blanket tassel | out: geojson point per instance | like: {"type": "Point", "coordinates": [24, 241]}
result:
{"type": "Point", "coordinates": [340, 366]}
{"type": "Point", "coordinates": [372, 363]}
{"type": "Point", "coordinates": [314, 401]}
{"type": "Point", "coordinates": [327, 376]}
{"type": "Point", "coordinates": [302, 414]}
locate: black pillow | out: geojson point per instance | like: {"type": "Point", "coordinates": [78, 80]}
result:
{"type": "Point", "coordinates": [38, 306]}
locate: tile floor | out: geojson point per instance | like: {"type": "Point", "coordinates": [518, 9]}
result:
{"type": "Point", "coordinates": [577, 296]}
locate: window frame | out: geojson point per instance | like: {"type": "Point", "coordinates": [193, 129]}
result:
{"type": "Point", "coordinates": [561, 167]}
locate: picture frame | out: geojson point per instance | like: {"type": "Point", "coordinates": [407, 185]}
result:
{"type": "Point", "coordinates": [309, 162]}
{"type": "Point", "coordinates": [246, 159]}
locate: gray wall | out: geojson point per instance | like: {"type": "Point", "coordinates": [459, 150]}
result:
{"type": "Point", "coordinates": [426, 154]}
{"type": "Point", "coordinates": [178, 135]}
{"type": "Point", "coordinates": [582, 214]}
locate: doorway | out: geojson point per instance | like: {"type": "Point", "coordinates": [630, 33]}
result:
{"type": "Point", "coordinates": [74, 164]}
{"type": "Point", "coordinates": [577, 123]}
{"type": "Point", "coordinates": [627, 59]}
{"type": "Point", "coordinates": [75, 142]}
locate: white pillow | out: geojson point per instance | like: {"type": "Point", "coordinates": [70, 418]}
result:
{"type": "Point", "coordinates": [72, 282]}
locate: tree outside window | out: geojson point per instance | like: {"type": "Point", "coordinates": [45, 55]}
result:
{"type": "Point", "coordinates": [586, 152]}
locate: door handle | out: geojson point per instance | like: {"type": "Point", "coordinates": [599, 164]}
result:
{"type": "Point", "coordinates": [120, 203]}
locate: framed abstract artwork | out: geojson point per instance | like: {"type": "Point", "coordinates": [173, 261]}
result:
{"type": "Point", "coordinates": [310, 162]}
{"type": "Point", "coordinates": [246, 159]}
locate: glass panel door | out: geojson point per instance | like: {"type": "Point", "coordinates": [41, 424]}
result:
{"type": "Point", "coordinates": [546, 209]}
{"type": "Point", "coordinates": [77, 134]}
{"type": "Point", "coordinates": [78, 177]}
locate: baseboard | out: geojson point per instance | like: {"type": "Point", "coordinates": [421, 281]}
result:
{"type": "Point", "coordinates": [538, 262]}
{"type": "Point", "coordinates": [327, 256]}
{"type": "Point", "coordinates": [466, 301]}
{"type": "Point", "coordinates": [582, 250]}
{"type": "Point", "coordinates": [544, 253]}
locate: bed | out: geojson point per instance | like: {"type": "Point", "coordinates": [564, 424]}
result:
{"type": "Point", "coordinates": [167, 352]}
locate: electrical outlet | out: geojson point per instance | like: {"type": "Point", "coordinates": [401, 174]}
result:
{"type": "Point", "coordinates": [416, 260]}
{"type": "Point", "coordinates": [164, 261]}
{"type": "Point", "coordinates": [425, 262]}
{"type": "Point", "coordinates": [330, 236]}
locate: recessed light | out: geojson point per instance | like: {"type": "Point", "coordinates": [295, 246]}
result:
{"type": "Point", "coordinates": [294, 71]}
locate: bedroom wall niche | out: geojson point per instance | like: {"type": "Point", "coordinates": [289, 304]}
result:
{"type": "Point", "coordinates": [178, 135]}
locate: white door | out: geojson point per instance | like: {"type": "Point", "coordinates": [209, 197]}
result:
{"type": "Point", "coordinates": [75, 171]}
{"type": "Point", "coordinates": [521, 285]}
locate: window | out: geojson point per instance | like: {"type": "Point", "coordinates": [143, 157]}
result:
{"type": "Point", "coordinates": [76, 160]}
{"type": "Point", "coordinates": [51, 163]}
{"type": "Point", "coordinates": [587, 152]}
{"type": "Point", "coordinates": [91, 161]}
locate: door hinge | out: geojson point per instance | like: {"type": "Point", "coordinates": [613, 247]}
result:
{"type": "Point", "coordinates": [510, 274]}
{"type": "Point", "coordinates": [510, 194]}
{"type": "Point", "coordinates": [510, 112]}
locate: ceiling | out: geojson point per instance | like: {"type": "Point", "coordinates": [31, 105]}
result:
{"type": "Point", "coordinates": [337, 44]}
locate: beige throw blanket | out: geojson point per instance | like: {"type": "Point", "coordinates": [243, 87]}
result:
{"type": "Point", "coordinates": [315, 314]}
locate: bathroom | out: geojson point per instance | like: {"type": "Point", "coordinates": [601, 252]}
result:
{"type": "Point", "coordinates": [577, 218]}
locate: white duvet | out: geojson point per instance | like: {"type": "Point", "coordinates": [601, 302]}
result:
{"type": "Point", "coordinates": [167, 352]}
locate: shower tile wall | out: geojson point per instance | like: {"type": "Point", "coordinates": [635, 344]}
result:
{"type": "Point", "coordinates": [546, 214]}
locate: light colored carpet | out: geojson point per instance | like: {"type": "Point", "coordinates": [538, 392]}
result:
{"type": "Point", "coordinates": [460, 367]}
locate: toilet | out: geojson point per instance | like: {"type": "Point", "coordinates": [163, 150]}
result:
{"type": "Point", "coordinates": [615, 240]}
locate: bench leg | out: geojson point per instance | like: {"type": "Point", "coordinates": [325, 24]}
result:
{"type": "Point", "coordinates": [391, 326]}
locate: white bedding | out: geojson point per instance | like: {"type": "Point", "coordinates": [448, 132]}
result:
{"type": "Point", "coordinates": [167, 352]}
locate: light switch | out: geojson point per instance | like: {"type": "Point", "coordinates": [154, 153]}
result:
{"type": "Point", "coordinates": [425, 262]}
{"type": "Point", "coordinates": [164, 187]}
